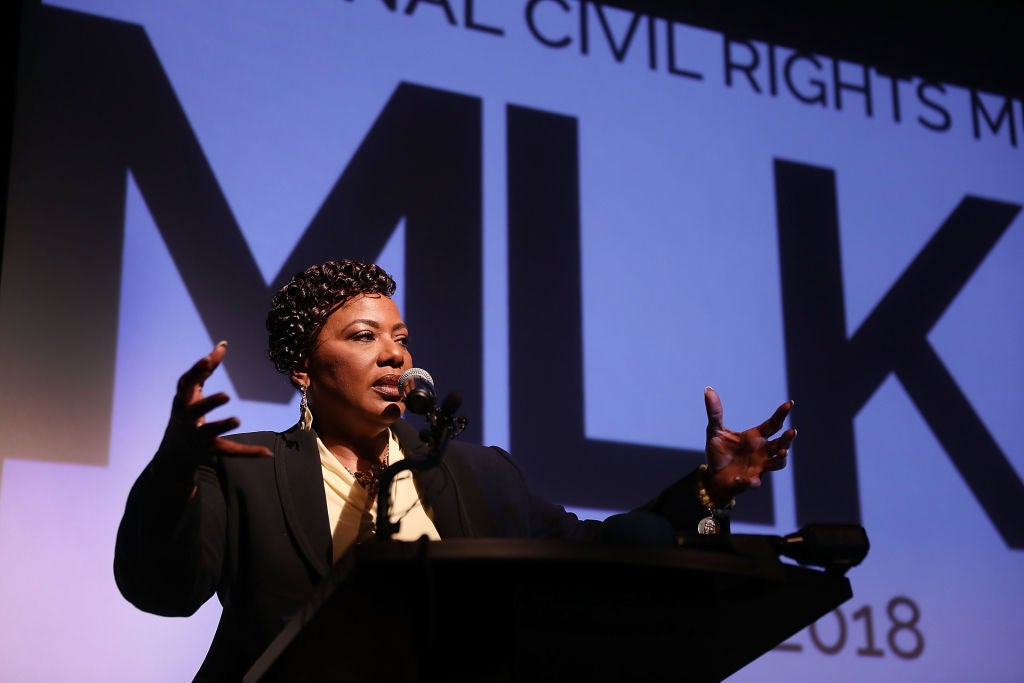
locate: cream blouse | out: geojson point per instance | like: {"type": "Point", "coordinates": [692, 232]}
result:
{"type": "Point", "coordinates": [351, 521]}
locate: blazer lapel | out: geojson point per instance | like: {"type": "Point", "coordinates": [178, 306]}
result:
{"type": "Point", "coordinates": [300, 486]}
{"type": "Point", "coordinates": [450, 488]}
{"type": "Point", "coordinates": [436, 487]}
{"type": "Point", "coordinates": [301, 490]}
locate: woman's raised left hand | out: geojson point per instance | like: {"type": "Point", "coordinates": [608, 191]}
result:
{"type": "Point", "coordinates": [738, 460]}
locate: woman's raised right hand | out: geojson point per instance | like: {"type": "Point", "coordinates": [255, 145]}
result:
{"type": "Point", "coordinates": [189, 435]}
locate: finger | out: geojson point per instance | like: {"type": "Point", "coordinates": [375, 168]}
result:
{"type": "Point", "coordinates": [209, 431]}
{"type": "Point", "coordinates": [781, 444]}
{"type": "Point", "coordinates": [785, 440]}
{"type": "Point", "coordinates": [774, 423]}
{"type": "Point", "coordinates": [776, 463]}
{"type": "Point", "coordinates": [235, 449]}
{"type": "Point", "coordinates": [196, 376]}
{"type": "Point", "coordinates": [196, 410]}
{"type": "Point", "coordinates": [713, 405]}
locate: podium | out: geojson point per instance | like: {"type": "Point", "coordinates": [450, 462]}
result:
{"type": "Point", "coordinates": [468, 610]}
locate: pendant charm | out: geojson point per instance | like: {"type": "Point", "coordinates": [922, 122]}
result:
{"type": "Point", "coordinates": [707, 526]}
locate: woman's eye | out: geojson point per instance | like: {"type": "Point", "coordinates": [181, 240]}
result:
{"type": "Point", "coordinates": [404, 341]}
{"type": "Point", "coordinates": [363, 336]}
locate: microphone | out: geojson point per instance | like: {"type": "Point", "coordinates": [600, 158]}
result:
{"type": "Point", "coordinates": [416, 388]}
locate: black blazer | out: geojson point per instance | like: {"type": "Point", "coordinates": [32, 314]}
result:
{"type": "Point", "coordinates": [256, 531]}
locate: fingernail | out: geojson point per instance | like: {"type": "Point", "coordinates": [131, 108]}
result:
{"type": "Point", "coordinates": [708, 389]}
{"type": "Point", "coordinates": [792, 403]}
{"type": "Point", "coordinates": [222, 342]}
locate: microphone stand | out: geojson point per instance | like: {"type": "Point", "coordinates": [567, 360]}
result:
{"type": "Point", "coordinates": [444, 426]}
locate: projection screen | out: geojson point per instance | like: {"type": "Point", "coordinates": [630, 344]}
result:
{"type": "Point", "coordinates": [592, 214]}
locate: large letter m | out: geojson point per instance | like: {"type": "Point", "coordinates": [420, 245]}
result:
{"type": "Point", "coordinates": [95, 106]}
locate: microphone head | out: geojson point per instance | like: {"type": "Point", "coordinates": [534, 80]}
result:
{"type": "Point", "coordinates": [416, 389]}
{"type": "Point", "coordinates": [418, 373]}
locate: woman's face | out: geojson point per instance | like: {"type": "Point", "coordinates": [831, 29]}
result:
{"type": "Point", "coordinates": [353, 367]}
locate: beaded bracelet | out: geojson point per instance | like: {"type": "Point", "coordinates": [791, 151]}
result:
{"type": "Point", "coordinates": [710, 524]}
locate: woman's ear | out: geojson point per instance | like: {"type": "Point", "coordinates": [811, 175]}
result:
{"type": "Point", "coordinates": [300, 378]}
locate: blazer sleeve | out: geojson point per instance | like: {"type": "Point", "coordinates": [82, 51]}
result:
{"type": "Point", "coordinates": [679, 504]}
{"type": "Point", "coordinates": [170, 543]}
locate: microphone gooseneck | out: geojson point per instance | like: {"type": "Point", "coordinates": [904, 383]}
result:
{"type": "Point", "coordinates": [416, 390]}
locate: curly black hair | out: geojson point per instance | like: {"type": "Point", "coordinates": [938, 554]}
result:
{"type": "Point", "coordinates": [301, 307]}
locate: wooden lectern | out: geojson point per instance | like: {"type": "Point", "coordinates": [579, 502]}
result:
{"type": "Point", "coordinates": [534, 610]}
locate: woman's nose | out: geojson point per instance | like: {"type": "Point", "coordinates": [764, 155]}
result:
{"type": "Point", "coordinates": [392, 353]}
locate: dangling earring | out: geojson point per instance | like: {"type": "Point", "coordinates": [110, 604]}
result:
{"type": "Point", "coordinates": [305, 417]}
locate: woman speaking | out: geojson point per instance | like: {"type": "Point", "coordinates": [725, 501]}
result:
{"type": "Point", "coordinates": [258, 518]}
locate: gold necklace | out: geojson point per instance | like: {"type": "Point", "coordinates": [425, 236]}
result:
{"type": "Point", "coordinates": [371, 480]}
